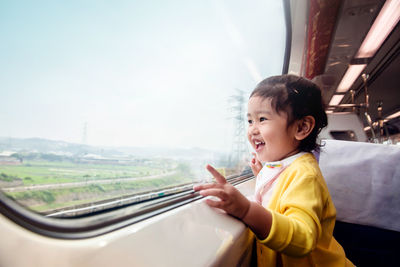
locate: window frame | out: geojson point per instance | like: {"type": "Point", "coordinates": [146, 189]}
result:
{"type": "Point", "coordinates": [124, 214]}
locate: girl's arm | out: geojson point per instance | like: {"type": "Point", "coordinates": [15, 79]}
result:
{"type": "Point", "coordinates": [259, 220]}
{"type": "Point", "coordinates": [234, 203]}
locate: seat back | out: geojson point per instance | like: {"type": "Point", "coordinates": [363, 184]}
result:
{"type": "Point", "coordinates": [364, 182]}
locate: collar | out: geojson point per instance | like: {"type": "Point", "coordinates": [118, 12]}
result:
{"type": "Point", "coordinates": [270, 172]}
{"type": "Point", "coordinates": [283, 163]}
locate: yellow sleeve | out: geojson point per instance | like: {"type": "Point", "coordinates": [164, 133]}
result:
{"type": "Point", "coordinates": [296, 224]}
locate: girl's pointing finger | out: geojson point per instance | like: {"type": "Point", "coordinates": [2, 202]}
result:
{"type": "Point", "coordinates": [218, 177]}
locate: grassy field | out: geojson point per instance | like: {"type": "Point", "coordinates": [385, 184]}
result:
{"type": "Point", "coordinates": [44, 200]}
{"type": "Point", "coordinates": [43, 172]}
{"type": "Point", "coordinates": [46, 172]}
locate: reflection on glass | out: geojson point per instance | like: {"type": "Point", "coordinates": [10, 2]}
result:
{"type": "Point", "coordinates": [102, 100]}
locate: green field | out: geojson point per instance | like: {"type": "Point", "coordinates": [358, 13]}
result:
{"type": "Point", "coordinates": [166, 172]}
{"type": "Point", "coordinates": [44, 172]}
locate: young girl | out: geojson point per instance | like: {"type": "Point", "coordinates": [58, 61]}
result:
{"type": "Point", "coordinates": [293, 216]}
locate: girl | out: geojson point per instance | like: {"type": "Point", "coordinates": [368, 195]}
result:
{"type": "Point", "coordinates": [293, 216]}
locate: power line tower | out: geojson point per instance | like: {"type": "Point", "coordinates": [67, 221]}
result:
{"type": "Point", "coordinates": [84, 134]}
{"type": "Point", "coordinates": [239, 146]}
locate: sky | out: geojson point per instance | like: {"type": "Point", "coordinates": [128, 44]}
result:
{"type": "Point", "coordinates": [136, 73]}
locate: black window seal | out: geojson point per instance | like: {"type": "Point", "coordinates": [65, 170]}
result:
{"type": "Point", "coordinates": [288, 44]}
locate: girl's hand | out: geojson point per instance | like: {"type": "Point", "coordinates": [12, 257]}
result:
{"type": "Point", "coordinates": [231, 200]}
{"type": "Point", "coordinates": [255, 164]}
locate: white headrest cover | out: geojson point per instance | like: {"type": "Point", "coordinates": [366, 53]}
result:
{"type": "Point", "coordinates": [364, 182]}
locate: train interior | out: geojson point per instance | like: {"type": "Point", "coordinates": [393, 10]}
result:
{"type": "Point", "coordinates": [351, 49]}
{"type": "Point", "coordinates": [356, 66]}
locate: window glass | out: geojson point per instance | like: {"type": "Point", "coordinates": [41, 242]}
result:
{"type": "Point", "coordinates": [104, 99]}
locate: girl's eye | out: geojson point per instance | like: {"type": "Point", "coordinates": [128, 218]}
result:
{"type": "Point", "coordinates": [263, 119]}
{"type": "Point", "coordinates": [250, 121]}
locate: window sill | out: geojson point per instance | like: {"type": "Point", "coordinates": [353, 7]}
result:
{"type": "Point", "coordinates": [190, 235]}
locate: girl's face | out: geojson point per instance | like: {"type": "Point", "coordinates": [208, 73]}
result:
{"type": "Point", "coordinates": [268, 132]}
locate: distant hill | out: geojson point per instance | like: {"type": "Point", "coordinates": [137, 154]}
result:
{"type": "Point", "coordinates": [40, 145]}
{"type": "Point", "coordinates": [43, 146]}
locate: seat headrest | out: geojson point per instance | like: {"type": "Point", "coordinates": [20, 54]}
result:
{"type": "Point", "coordinates": [364, 182]}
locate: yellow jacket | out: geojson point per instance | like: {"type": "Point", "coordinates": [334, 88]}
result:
{"type": "Point", "coordinates": [303, 218]}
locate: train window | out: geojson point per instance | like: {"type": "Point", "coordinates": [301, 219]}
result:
{"type": "Point", "coordinates": [103, 101]}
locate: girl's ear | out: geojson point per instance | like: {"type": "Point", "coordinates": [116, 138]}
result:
{"type": "Point", "coordinates": [304, 127]}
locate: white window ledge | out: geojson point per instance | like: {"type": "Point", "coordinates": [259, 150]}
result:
{"type": "Point", "coordinates": [191, 235]}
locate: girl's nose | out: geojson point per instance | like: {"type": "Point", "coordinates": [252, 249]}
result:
{"type": "Point", "coordinates": [253, 130]}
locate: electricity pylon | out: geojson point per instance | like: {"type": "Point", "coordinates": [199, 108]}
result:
{"type": "Point", "coordinates": [239, 146]}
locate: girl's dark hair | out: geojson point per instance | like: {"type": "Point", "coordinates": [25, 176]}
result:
{"type": "Point", "coordinates": [297, 97]}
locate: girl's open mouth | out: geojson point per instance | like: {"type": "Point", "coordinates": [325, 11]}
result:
{"type": "Point", "coordinates": [259, 145]}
